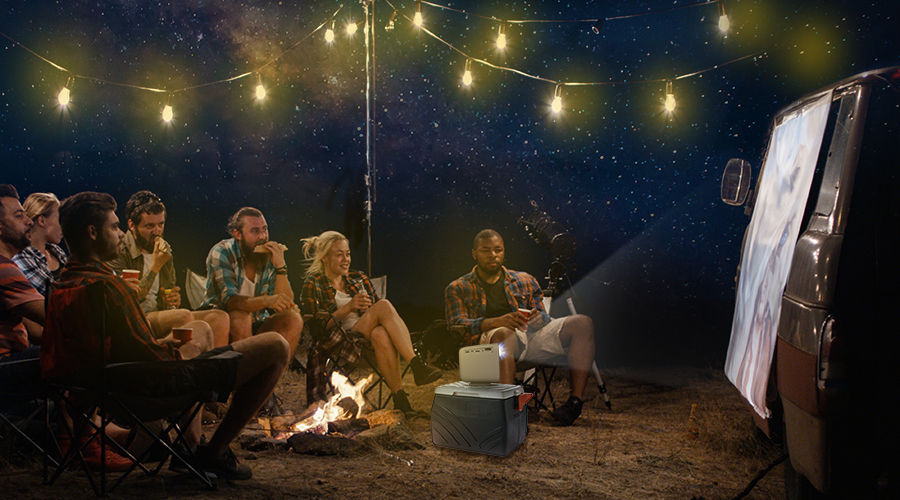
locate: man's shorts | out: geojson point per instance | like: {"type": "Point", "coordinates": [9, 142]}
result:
{"type": "Point", "coordinates": [214, 370]}
{"type": "Point", "coordinates": [536, 346]}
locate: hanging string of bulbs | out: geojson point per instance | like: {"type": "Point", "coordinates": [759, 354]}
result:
{"type": "Point", "coordinates": [64, 95]}
{"type": "Point", "coordinates": [556, 104]}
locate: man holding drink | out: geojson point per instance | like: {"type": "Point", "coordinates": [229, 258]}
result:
{"type": "Point", "coordinates": [144, 261]}
{"type": "Point", "coordinates": [501, 306]}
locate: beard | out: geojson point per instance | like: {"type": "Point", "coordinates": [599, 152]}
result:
{"type": "Point", "coordinates": [17, 241]}
{"type": "Point", "coordinates": [143, 244]}
{"type": "Point", "coordinates": [258, 259]}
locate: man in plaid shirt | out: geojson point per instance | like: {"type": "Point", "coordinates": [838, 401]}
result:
{"type": "Point", "coordinates": [501, 306]}
{"type": "Point", "coordinates": [247, 277]}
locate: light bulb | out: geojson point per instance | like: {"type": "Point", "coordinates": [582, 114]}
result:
{"type": "Point", "coordinates": [351, 28]}
{"type": "Point", "coordinates": [417, 19]}
{"type": "Point", "coordinates": [556, 105]}
{"type": "Point", "coordinates": [167, 113]}
{"type": "Point", "coordinates": [467, 78]}
{"type": "Point", "coordinates": [501, 41]}
{"type": "Point", "coordinates": [260, 92]}
{"type": "Point", "coordinates": [329, 35]}
{"type": "Point", "coordinates": [724, 23]}
{"type": "Point", "coordinates": [63, 97]}
{"type": "Point", "coordinates": [669, 105]}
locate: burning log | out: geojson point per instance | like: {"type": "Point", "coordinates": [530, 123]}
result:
{"type": "Point", "coordinates": [349, 426]}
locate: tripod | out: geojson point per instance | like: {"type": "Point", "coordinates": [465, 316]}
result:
{"type": "Point", "coordinates": [558, 286]}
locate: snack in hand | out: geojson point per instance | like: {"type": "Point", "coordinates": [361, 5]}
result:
{"type": "Point", "coordinates": [264, 249]}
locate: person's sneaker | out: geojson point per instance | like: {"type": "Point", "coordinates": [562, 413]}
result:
{"type": "Point", "coordinates": [225, 466]}
{"type": "Point", "coordinates": [423, 373]}
{"type": "Point", "coordinates": [91, 453]}
{"type": "Point", "coordinates": [272, 407]}
{"type": "Point", "coordinates": [401, 402]}
{"type": "Point", "coordinates": [566, 414]}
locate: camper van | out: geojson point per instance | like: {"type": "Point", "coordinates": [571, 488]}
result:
{"type": "Point", "coordinates": [815, 335]}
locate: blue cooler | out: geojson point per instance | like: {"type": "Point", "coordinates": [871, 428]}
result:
{"type": "Point", "coordinates": [484, 418]}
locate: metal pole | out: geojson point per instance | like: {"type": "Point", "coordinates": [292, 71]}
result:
{"type": "Point", "coordinates": [369, 32]}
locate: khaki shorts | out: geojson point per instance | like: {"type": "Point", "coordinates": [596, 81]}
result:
{"type": "Point", "coordinates": [538, 346]}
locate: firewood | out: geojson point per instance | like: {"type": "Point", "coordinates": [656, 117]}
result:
{"type": "Point", "coordinates": [349, 426]}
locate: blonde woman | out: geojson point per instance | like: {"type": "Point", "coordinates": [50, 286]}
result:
{"type": "Point", "coordinates": [42, 261]}
{"type": "Point", "coordinates": [348, 296]}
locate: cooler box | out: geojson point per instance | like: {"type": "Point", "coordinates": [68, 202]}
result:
{"type": "Point", "coordinates": [484, 418]}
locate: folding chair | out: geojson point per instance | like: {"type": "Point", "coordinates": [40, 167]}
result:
{"type": "Point", "coordinates": [24, 410]}
{"type": "Point", "coordinates": [130, 394]}
{"type": "Point", "coordinates": [194, 288]}
{"type": "Point", "coordinates": [537, 377]}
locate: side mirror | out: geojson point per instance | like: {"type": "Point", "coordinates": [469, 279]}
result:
{"type": "Point", "coordinates": [736, 182]}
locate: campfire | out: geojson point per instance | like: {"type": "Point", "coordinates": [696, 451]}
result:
{"type": "Point", "coordinates": [335, 427]}
{"type": "Point", "coordinates": [341, 413]}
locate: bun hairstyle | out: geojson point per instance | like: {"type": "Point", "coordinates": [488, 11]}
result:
{"type": "Point", "coordinates": [315, 248]}
{"type": "Point", "coordinates": [38, 204]}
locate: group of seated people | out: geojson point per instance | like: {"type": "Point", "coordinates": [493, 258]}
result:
{"type": "Point", "coordinates": [249, 307]}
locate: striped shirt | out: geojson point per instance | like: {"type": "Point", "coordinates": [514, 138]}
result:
{"type": "Point", "coordinates": [224, 274]}
{"type": "Point", "coordinates": [70, 341]}
{"type": "Point", "coordinates": [33, 264]}
{"type": "Point", "coordinates": [465, 301]}
{"type": "Point", "coordinates": [15, 290]}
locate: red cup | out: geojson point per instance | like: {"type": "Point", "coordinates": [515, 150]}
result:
{"type": "Point", "coordinates": [182, 335]}
{"type": "Point", "coordinates": [130, 274]}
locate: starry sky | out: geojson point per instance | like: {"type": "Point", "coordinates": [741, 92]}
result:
{"type": "Point", "coordinates": [637, 188]}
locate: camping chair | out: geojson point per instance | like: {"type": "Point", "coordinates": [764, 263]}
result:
{"type": "Point", "coordinates": [194, 288]}
{"type": "Point", "coordinates": [537, 378]}
{"type": "Point", "coordinates": [131, 394]}
{"type": "Point", "coordinates": [24, 409]}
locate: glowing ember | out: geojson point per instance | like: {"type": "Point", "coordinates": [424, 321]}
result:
{"type": "Point", "coordinates": [331, 411]}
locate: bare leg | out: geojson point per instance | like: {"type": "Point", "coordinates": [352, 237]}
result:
{"type": "Point", "coordinates": [264, 358]}
{"type": "Point", "coordinates": [161, 322]}
{"type": "Point", "coordinates": [219, 321]}
{"type": "Point", "coordinates": [386, 357]}
{"type": "Point", "coordinates": [507, 337]}
{"type": "Point", "coordinates": [382, 313]}
{"type": "Point", "coordinates": [240, 325]}
{"type": "Point", "coordinates": [288, 323]}
{"type": "Point", "coordinates": [577, 337]}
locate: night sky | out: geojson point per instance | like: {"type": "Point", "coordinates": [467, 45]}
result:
{"type": "Point", "coordinates": [639, 190]}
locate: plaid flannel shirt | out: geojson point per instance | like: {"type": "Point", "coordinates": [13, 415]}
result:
{"type": "Point", "coordinates": [70, 346]}
{"type": "Point", "coordinates": [15, 290]}
{"type": "Point", "coordinates": [224, 274]}
{"type": "Point", "coordinates": [33, 264]}
{"type": "Point", "coordinates": [465, 301]}
{"type": "Point", "coordinates": [330, 341]}
{"type": "Point", "coordinates": [131, 257]}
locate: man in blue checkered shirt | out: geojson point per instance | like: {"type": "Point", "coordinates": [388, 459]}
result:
{"type": "Point", "coordinates": [247, 277]}
{"type": "Point", "coordinates": [501, 306]}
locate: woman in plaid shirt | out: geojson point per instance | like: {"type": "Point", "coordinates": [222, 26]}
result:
{"type": "Point", "coordinates": [354, 312]}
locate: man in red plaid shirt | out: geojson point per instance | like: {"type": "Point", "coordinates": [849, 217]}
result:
{"type": "Point", "coordinates": [502, 306]}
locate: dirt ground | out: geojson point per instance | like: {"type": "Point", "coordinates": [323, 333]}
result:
{"type": "Point", "coordinates": [639, 449]}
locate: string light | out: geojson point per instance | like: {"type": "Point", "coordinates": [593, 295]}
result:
{"type": "Point", "coordinates": [417, 17]}
{"type": "Point", "coordinates": [467, 74]}
{"type": "Point", "coordinates": [669, 104]}
{"type": "Point", "coordinates": [501, 37]}
{"type": "Point", "coordinates": [260, 89]}
{"type": "Point", "coordinates": [724, 22]}
{"type": "Point", "coordinates": [329, 33]}
{"type": "Point", "coordinates": [556, 105]}
{"type": "Point", "coordinates": [167, 113]}
{"type": "Point", "coordinates": [351, 28]}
